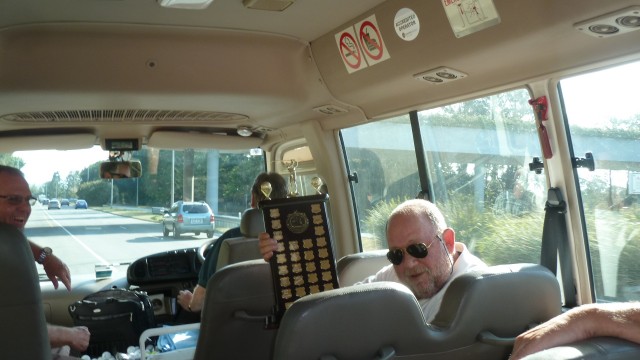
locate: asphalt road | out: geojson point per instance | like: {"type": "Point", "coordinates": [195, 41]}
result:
{"type": "Point", "coordinates": [84, 238]}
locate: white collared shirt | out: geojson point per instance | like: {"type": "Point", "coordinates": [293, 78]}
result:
{"type": "Point", "coordinates": [465, 262]}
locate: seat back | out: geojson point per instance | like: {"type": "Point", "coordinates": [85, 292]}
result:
{"type": "Point", "coordinates": [243, 248]}
{"type": "Point", "coordinates": [238, 300]}
{"type": "Point", "coordinates": [356, 267]}
{"type": "Point", "coordinates": [480, 316]}
{"type": "Point", "coordinates": [23, 329]}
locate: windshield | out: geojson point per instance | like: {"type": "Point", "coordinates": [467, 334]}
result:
{"type": "Point", "coordinates": [124, 219]}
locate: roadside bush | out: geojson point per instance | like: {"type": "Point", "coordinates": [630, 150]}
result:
{"type": "Point", "coordinates": [97, 193]}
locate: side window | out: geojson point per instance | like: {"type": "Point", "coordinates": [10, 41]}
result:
{"type": "Point", "coordinates": [477, 155]}
{"type": "Point", "coordinates": [607, 125]}
{"type": "Point", "coordinates": [383, 157]}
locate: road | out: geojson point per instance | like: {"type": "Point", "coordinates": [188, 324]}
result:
{"type": "Point", "coordinates": [84, 238]}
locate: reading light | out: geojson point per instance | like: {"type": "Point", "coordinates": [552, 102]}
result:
{"type": "Point", "coordinates": [244, 131]}
{"type": "Point", "coordinates": [185, 4]}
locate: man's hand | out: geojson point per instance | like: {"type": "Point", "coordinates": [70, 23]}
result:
{"type": "Point", "coordinates": [184, 299]}
{"type": "Point", "coordinates": [76, 337]}
{"type": "Point", "coordinates": [55, 270]}
{"type": "Point", "coordinates": [267, 246]}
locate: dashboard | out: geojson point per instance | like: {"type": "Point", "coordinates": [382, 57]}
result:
{"type": "Point", "coordinates": [161, 276]}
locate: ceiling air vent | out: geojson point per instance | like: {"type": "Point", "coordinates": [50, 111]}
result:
{"type": "Point", "coordinates": [120, 115]}
{"type": "Point", "coordinates": [440, 75]}
{"type": "Point", "coordinates": [614, 23]}
{"type": "Point", "coordinates": [330, 110]}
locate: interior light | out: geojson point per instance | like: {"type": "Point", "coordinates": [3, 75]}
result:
{"type": "Point", "coordinates": [244, 131]}
{"type": "Point", "coordinates": [185, 4]}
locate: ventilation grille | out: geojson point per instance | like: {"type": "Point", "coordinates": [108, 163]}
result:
{"type": "Point", "coordinates": [142, 116]}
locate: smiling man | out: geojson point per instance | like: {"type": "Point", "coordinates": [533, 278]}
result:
{"type": "Point", "coordinates": [15, 208]}
{"type": "Point", "coordinates": [423, 252]}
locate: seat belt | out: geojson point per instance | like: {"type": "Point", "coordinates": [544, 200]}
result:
{"type": "Point", "coordinates": [555, 242]}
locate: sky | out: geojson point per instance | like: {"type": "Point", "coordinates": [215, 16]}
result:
{"type": "Point", "coordinates": [42, 164]}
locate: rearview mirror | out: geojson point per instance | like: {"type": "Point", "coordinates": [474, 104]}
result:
{"type": "Point", "coordinates": [120, 169]}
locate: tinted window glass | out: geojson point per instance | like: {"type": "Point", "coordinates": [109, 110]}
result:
{"type": "Point", "coordinates": [478, 154]}
{"type": "Point", "coordinates": [609, 129]}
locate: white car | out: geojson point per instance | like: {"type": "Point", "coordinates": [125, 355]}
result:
{"type": "Point", "coordinates": [54, 204]}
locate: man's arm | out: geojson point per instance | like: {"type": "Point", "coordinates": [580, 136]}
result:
{"type": "Point", "coordinates": [621, 320]}
{"type": "Point", "coordinates": [53, 267]}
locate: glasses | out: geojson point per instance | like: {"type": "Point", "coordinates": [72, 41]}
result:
{"type": "Point", "coordinates": [418, 251]}
{"type": "Point", "coordinates": [17, 199]}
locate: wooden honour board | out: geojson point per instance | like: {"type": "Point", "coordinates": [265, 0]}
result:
{"type": "Point", "coordinates": [304, 262]}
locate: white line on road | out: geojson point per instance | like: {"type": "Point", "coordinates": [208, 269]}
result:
{"type": "Point", "coordinates": [102, 260]}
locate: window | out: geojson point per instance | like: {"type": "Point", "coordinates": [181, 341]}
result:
{"type": "Point", "coordinates": [83, 239]}
{"type": "Point", "coordinates": [477, 155]}
{"type": "Point", "coordinates": [603, 116]}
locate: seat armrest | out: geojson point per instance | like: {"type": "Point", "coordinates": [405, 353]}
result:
{"type": "Point", "coordinates": [602, 348]}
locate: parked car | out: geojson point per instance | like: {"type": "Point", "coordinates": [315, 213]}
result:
{"type": "Point", "coordinates": [81, 204]}
{"type": "Point", "coordinates": [54, 204]}
{"type": "Point", "coordinates": [188, 217]}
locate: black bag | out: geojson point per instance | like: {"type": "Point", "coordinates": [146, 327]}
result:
{"type": "Point", "coordinates": [115, 318]}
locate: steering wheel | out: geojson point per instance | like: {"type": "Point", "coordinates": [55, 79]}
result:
{"type": "Point", "coordinates": [203, 249]}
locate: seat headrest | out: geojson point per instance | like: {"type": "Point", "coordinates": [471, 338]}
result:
{"type": "Point", "coordinates": [252, 223]}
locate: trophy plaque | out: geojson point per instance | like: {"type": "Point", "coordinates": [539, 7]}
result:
{"type": "Point", "coordinates": [304, 262]}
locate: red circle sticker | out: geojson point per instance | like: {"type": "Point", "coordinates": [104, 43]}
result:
{"type": "Point", "coordinates": [371, 40]}
{"type": "Point", "coordinates": [349, 51]}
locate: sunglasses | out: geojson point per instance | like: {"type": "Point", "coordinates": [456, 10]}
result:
{"type": "Point", "coordinates": [418, 251]}
{"type": "Point", "coordinates": [17, 199]}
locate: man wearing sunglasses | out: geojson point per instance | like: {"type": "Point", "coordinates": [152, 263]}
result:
{"type": "Point", "coordinates": [423, 253]}
{"type": "Point", "coordinates": [15, 208]}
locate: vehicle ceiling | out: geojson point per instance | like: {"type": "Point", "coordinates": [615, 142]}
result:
{"type": "Point", "coordinates": [85, 70]}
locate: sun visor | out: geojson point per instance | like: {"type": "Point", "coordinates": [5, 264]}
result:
{"type": "Point", "coordinates": [47, 142]}
{"type": "Point", "coordinates": [180, 140]}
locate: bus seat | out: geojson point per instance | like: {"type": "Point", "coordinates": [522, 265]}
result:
{"type": "Point", "coordinates": [238, 300]}
{"type": "Point", "coordinates": [23, 334]}
{"type": "Point", "coordinates": [243, 248]}
{"type": "Point", "coordinates": [356, 267]}
{"type": "Point", "coordinates": [481, 314]}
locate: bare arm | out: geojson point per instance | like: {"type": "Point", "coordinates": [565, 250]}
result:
{"type": "Point", "coordinates": [267, 246]}
{"type": "Point", "coordinates": [621, 320]}
{"type": "Point", "coordinates": [192, 301]}
{"type": "Point", "coordinates": [54, 267]}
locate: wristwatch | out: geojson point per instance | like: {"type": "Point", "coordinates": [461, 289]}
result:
{"type": "Point", "coordinates": [46, 251]}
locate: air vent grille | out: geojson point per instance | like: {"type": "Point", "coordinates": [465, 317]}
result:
{"type": "Point", "coordinates": [123, 115]}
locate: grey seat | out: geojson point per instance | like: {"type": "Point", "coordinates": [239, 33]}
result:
{"type": "Point", "coordinates": [480, 316]}
{"type": "Point", "coordinates": [238, 300]}
{"type": "Point", "coordinates": [23, 333]}
{"type": "Point", "coordinates": [356, 267]}
{"type": "Point", "coordinates": [243, 248]}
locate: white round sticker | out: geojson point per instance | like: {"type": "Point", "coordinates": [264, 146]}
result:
{"type": "Point", "coordinates": [407, 24]}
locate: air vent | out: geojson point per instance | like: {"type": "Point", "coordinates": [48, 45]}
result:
{"type": "Point", "coordinates": [330, 110]}
{"type": "Point", "coordinates": [136, 116]}
{"type": "Point", "coordinates": [614, 23]}
{"type": "Point", "coordinates": [440, 75]}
